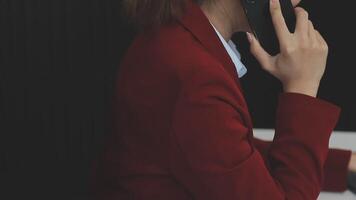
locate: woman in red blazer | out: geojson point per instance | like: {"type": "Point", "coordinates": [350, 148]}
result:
{"type": "Point", "coordinates": [182, 129]}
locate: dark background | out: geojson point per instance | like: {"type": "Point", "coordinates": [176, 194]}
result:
{"type": "Point", "coordinates": [58, 60]}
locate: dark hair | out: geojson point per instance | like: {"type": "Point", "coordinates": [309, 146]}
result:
{"type": "Point", "coordinates": [145, 14]}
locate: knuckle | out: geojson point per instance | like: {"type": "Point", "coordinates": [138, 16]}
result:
{"type": "Point", "coordinates": [298, 9]}
{"type": "Point", "coordinates": [304, 43]}
{"type": "Point", "coordinates": [302, 12]}
{"type": "Point", "coordinates": [311, 24]}
{"type": "Point", "coordinates": [315, 45]}
{"type": "Point", "coordinates": [290, 49]}
{"type": "Point", "coordinates": [304, 46]}
{"type": "Point", "coordinates": [325, 47]}
{"type": "Point", "coordinates": [322, 48]}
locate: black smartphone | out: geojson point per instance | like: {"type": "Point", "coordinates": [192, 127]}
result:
{"type": "Point", "coordinates": [259, 18]}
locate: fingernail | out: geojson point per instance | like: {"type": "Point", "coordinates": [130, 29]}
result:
{"type": "Point", "coordinates": [274, 3]}
{"type": "Point", "coordinates": [249, 36]}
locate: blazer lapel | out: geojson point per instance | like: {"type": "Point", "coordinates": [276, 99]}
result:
{"type": "Point", "coordinates": [198, 24]}
{"type": "Point", "coordinates": [195, 21]}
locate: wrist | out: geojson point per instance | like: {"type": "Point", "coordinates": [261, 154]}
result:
{"type": "Point", "coordinates": [302, 88]}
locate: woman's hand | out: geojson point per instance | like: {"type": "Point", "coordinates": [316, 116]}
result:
{"type": "Point", "coordinates": [301, 63]}
{"type": "Point", "coordinates": [352, 164]}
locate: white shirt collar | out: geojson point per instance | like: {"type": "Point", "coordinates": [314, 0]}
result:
{"type": "Point", "coordinates": [233, 53]}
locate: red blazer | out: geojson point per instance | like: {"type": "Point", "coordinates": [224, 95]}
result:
{"type": "Point", "coordinates": [182, 129]}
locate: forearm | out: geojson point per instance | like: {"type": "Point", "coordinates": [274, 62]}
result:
{"type": "Point", "coordinates": [336, 168]}
{"type": "Point", "coordinates": [303, 128]}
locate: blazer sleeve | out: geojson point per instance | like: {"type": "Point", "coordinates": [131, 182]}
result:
{"type": "Point", "coordinates": [335, 168]}
{"type": "Point", "coordinates": [213, 155]}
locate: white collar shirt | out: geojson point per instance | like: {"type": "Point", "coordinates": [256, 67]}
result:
{"type": "Point", "coordinates": [235, 56]}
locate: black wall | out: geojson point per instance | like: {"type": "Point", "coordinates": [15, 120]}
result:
{"type": "Point", "coordinates": [58, 60]}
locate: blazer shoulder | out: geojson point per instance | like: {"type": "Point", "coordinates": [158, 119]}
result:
{"type": "Point", "coordinates": [174, 51]}
{"type": "Point", "coordinates": [170, 46]}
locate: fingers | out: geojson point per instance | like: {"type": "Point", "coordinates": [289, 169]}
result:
{"type": "Point", "coordinates": [311, 29]}
{"type": "Point", "coordinates": [305, 29]}
{"type": "Point", "coordinates": [302, 25]}
{"type": "Point", "coordinates": [279, 22]}
{"type": "Point", "coordinates": [295, 2]}
{"type": "Point", "coordinates": [259, 53]}
{"type": "Point", "coordinates": [311, 32]}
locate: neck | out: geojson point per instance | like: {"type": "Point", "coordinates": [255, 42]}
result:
{"type": "Point", "coordinates": [227, 17]}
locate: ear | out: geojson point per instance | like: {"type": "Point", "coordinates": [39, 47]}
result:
{"type": "Point", "coordinates": [295, 2]}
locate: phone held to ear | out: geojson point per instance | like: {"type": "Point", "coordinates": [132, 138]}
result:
{"type": "Point", "coordinates": [259, 18]}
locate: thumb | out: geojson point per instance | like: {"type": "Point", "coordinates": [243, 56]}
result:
{"type": "Point", "coordinates": [259, 53]}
